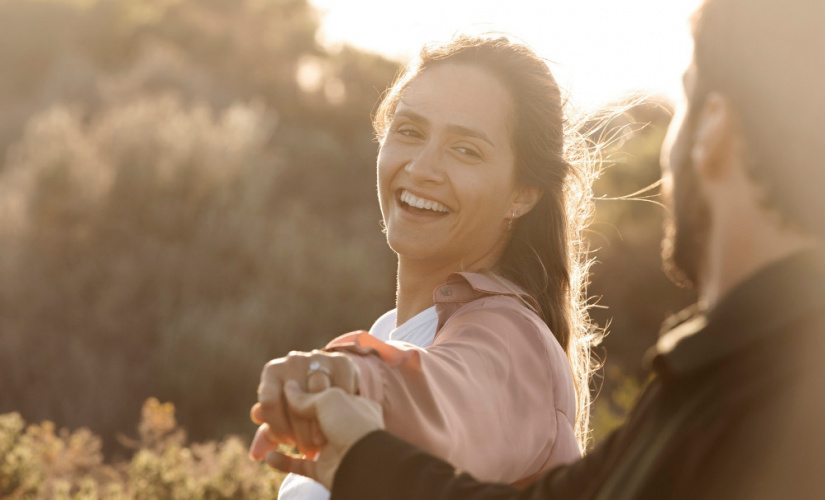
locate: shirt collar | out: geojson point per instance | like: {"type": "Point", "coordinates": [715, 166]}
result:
{"type": "Point", "coordinates": [757, 308]}
{"type": "Point", "coordinates": [461, 288]}
{"type": "Point", "coordinates": [466, 287]}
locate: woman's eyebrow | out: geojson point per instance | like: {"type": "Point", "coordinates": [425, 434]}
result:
{"type": "Point", "coordinates": [469, 132]}
{"type": "Point", "coordinates": [412, 115]}
{"type": "Point", "coordinates": [455, 129]}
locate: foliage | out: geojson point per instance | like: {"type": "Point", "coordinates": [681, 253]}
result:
{"type": "Point", "coordinates": [174, 208]}
{"type": "Point", "coordinates": [187, 190]}
{"type": "Point", "coordinates": [38, 462]}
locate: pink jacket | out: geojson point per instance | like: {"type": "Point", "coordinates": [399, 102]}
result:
{"type": "Point", "coordinates": [493, 394]}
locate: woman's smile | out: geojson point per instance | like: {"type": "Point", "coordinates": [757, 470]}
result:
{"type": "Point", "coordinates": [446, 167]}
{"type": "Point", "coordinates": [420, 205]}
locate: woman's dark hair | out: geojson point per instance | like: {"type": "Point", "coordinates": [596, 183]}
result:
{"type": "Point", "coordinates": [545, 255]}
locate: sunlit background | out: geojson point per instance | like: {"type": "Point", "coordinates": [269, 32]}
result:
{"type": "Point", "coordinates": [187, 190]}
{"type": "Point", "coordinates": [601, 48]}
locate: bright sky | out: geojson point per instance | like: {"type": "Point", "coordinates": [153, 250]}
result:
{"type": "Point", "coordinates": [603, 48]}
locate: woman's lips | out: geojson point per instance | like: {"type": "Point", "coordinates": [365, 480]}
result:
{"type": "Point", "coordinates": [420, 205]}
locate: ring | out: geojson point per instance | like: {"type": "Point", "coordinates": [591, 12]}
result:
{"type": "Point", "coordinates": [315, 367]}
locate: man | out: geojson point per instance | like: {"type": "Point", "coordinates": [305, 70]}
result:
{"type": "Point", "coordinates": [736, 408]}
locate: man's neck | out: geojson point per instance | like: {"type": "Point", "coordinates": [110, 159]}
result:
{"type": "Point", "coordinates": [735, 255]}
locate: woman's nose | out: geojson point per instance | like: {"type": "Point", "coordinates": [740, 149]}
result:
{"type": "Point", "coordinates": [426, 165]}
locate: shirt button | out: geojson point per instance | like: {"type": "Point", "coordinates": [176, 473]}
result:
{"type": "Point", "coordinates": [446, 291]}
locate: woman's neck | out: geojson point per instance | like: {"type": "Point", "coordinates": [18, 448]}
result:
{"type": "Point", "coordinates": [417, 280]}
{"type": "Point", "coordinates": [415, 289]}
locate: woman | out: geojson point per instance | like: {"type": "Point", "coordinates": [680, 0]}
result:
{"type": "Point", "coordinates": [489, 365]}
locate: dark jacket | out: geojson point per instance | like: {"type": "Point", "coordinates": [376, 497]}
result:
{"type": "Point", "coordinates": [736, 410]}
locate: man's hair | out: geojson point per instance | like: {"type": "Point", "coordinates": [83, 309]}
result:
{"type": "Point", "coordinates": [768, 57]}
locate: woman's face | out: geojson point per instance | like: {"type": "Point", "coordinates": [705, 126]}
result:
{"type": "Point", "coordinates": [446, 179]}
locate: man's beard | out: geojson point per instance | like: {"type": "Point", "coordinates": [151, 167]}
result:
{"type": "Point", "coordinates": [686, 226]}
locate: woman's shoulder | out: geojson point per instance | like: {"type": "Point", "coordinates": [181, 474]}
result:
{"type": "Point", "coordinates": [500, 311]}
{"type": "Point", "coordinates": [495, 306]}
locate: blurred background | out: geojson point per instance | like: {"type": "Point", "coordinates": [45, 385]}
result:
{"type": "Point", "coordinates": [187, 190]}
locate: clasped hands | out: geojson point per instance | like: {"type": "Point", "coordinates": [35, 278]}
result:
{"type": "Point", "coordinates": [308, 400]}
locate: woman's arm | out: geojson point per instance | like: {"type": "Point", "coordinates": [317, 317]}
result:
{"type": "Point", "coordinates": [481, 397]}
{"type": "Point", "coordinates": [359, 461]}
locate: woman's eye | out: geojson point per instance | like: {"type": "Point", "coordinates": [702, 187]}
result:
{"type": "Point", "coordinates": [408, 132]}
{"type": "Point", "coordinates": [468, 151]}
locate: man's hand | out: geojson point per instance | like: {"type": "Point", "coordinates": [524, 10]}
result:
{"type": "Point", "coordinates": [344, 419]}
{"type": "Point", "coordinates": [316, 371]}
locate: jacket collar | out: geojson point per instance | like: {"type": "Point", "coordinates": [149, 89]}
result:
{"type": "Point", "coordinates": [759, 307]}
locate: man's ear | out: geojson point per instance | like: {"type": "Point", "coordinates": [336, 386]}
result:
{"type": "Point", "coordinates": [525, 199]}
{"type": "Point", "coordinates": [716, 148]}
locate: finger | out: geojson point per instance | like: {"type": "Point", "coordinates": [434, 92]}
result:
{"type": "Point", "coordinates": [263, 442]}
{"type": "Point", "coordinates": [318, 438]}
{"type": "Point", "coordinates": [271, 381]}
{"type": "Point", "coordinates": [256, 414]}
{"type": "Point", "coordinates": [317, 382]}
{"type": "Point", "coordinates": [302, 403]}
{"type": "Point", "coordinates": [296, 465]}
{"type": "Point", "coordinates": [271, 408]}
{"type": "Point", "coordinates": [307, 433]}
{"type": "Point", "coordinates": [274, 413]}
{"type": "Point", "coordinates": [302, 429]}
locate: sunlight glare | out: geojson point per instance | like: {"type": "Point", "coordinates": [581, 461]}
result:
{"type": "Point", "coordinates": [601, 49]}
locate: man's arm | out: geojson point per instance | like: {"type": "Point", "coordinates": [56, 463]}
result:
{"type": "Point", "coordinates": [361, 461]}
{"type": "Point", "coordinates": [381, 466]}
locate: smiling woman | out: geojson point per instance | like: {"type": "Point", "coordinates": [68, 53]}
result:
{"type": "Point", "coordinates": [448, 145]}
{"type": "Point", "coordinates": [485, 360]}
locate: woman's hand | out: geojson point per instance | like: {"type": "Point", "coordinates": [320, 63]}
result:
{"type": "Point", "coordinates": [314, 372]}
{"type": "Point", "coordinates": [344, 419]}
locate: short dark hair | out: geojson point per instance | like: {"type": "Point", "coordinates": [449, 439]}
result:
{"type": "Point", "coordinates": [768, 58]}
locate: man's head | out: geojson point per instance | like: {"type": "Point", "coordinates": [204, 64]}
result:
{"type": "Point", "coordinates": [747, 149]}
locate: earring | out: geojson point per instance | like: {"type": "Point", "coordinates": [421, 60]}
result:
{"type": "Point", "coordinates": [510, 223]}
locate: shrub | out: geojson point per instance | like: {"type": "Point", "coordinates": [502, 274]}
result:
{"type": "Point", "coordinates": [38, 462]}
{"type": "Point", "coordinates": [144, 250]}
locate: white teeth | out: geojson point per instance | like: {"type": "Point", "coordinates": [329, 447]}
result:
{"type": "Point", "coordinates": [415, 201]}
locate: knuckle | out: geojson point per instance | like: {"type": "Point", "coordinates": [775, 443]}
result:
{"type": "Point", "coordinates": [317, 355]}
{"type": "Point", "coordinates": [273, 365]}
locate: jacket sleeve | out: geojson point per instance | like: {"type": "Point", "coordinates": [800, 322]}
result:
{"type": "Point", "coordinates": [480, 397]}
{"type": "Point", "coordinates": [381, 466]}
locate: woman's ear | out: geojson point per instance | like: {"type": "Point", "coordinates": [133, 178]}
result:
{"type": "Point", "coordinates": [526, 197]}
